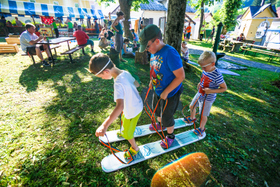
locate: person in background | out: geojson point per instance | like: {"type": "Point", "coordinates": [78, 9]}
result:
{"type": "Point", "coordinates": [55, 28]}
{"type": "Point", "coordinates": [103, 43]}
{"type": "Point", "coordinates": [109, 21]}
{"type": "Point", "coordinates": [119, 34]}
{"type": "Point", "coordinates": [125, 52]}
{"type": "Point", "coordinates": [9, 24]}
{"type": "Point", "coordinates": [241, 37]}
{"type": "Point", "coordinates": [188, 30]}
{"type": "Point", "coordinates": [96, 27]}
{"type": "Point", "coordinates": [202, 30]}
{"type": "Point", "coordinates": [101, 34]}
{"type": "Point", "coordinates": [185, 51]}
{"type": "Point", "coordinates": [75, 26]}
{"type": "Point", "coordinates": [135, 37]}
{"type": "Point", "coordinates": [211, 35]}
{"type": "Point", "coordinates": [18, 23]}
{"type": "Point", "coordinates": [70, 27]}
{"type": "Point", "coordinates": [28, 40]}
{"type": "Point", "coordinates": [82, 38]}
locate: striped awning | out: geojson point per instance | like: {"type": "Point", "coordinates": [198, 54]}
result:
{"type": "Point", "coordinates": [38, 9]}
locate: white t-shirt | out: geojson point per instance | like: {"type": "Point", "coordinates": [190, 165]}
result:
{"type": "Point", "coordinates": [25, 38]}
{"type": "Point", "coordinates": [125, 89]}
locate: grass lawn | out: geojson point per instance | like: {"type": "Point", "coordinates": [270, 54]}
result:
{"type": "Point", "coordinates": [48, 119]}
{"type": "Point", "coordinates": [261, 58]}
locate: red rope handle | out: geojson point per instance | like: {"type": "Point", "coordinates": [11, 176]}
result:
{"type": "Point", "coordinates": [112, 149]}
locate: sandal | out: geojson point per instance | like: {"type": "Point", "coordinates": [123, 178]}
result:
{"type": "Point", "coordinates": [198, 131]}
{"type": "Point", "coordinates": [132, 153]}
{"type": "Point", "coordinates": [189, 120]}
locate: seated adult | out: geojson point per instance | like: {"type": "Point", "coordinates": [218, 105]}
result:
{"type": "Point", "coordinates": [82, 38]}
{"type": "Point", "coordinates": [125, 52]}
{"type": "Point", "coordinates": [28, 40]}
{"type": "Point", "coordinates": [18, 23]}
{"type": "Point", "coordinates": [103, 43]}
{"type": "Point", "coordinates": [241, 37]}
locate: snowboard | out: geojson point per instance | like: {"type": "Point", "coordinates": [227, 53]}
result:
{"type": "Point", "coordinates": [111, 163]}
{"type": "Point", "coordinates": [141, 130]}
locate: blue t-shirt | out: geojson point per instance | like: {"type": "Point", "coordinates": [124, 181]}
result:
{"type": "Point", "coordinates": [162, 65]}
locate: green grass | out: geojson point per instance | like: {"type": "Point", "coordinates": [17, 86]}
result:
{"type": "Point", "coordinates": [48, 119]}
{"type": "Point", "coordinates": [261, 58]}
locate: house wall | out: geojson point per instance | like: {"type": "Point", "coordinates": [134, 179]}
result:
{"type": "Point", "coordinates": [154, 14]}
{"type": "Point", "coordinates": [249, 25]}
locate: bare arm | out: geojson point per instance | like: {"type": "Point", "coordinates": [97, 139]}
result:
{"type": "Point", "coordinates": [114, 115]}
{"type": "Point", "coordinates": [33, 42]}
{"type": "Point", "coordinates": [179, 77]}
{"type": "Point", "coordinates": [114, 24]}
{"type": "Point", "coordinates": [222, 88]}
{"type": "Point", "coordinates": [136, 83]}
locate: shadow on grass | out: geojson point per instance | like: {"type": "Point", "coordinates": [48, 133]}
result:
{"type": "Point", "coordinates": [235, 142]}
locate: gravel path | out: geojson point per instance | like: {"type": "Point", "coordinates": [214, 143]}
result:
{"type": "Point", "coordinates": [193, 49]}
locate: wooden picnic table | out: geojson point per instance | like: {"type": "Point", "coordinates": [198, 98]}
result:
{"type": "Point", "coordinates": [271, 52]}
{"type": "Point", "coordinates": [56, 41]}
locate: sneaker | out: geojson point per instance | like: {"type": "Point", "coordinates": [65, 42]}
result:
{"type": "Point", "coordinates": [132, 152]}
{"type": "Point", "coordinates": [199, 132]}
{"type": "Point", "coordinates": [169, 142]}
{"type": "Point", "coordinates": [45, 63]}
{"type": "Point", "coordinates": [189, 120]}
{"type": "Point", "coordinates": [92, 52]}
{"type": "Point", "coordinates": [157, 126]}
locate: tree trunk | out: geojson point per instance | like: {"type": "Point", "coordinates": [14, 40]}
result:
{"type": "Point", "coordinates": [125, 8]}
{"type": "Point", "coordinates": [201, 17]}
{"type": "Point", "coordinates": [175, 23]}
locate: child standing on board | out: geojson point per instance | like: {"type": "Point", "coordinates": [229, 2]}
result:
{"type": "Point", "coordinates": [126, 97]}
{"type": "Point", "coordinates": [211, 83]}
{"type": "Point", "coordinates": [167, 75]}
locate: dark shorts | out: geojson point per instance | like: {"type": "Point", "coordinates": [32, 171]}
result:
{"type": "Point", "coordinates": [188, 35]}
{"type": "Point", "coordinates": [70, 30]}
{"type": "Point", "coordinates": [172, 104]}
{"type": "Point", "coordinates": [32, 50]}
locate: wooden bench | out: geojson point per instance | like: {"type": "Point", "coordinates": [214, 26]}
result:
{"type": "Point", "coordinates": [73, 50]}
{"type": "Point", "coordinates": [271, 54]}
{"type": "Point", "coordinates": [12, 40]}
{"type": "Point", "coordinates": [9, 48]}
{"type": "Point", "coordinates": [52, 47]}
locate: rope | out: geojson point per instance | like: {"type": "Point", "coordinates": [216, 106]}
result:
{"type": "Point", "coordinates": [113, 150]}
{"type": "Point", "coordinates": [152, 117]}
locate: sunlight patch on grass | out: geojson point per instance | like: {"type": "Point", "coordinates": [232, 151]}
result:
{"type": "Point", "coordinates": [246, 96]}
{"type": "Point", "coordinates": [217, 110]}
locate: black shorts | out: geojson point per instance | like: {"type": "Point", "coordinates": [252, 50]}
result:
{"type": "Point", "coordinates": [32, 51]}
{"type": "Point", "coordinates": [70, 30]}
{"type": "Point", "coordinates": [167, 119]}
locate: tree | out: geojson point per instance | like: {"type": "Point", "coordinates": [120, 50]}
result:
{"type": "Point", "coordinates": [175, 23]}
{"type": "Point", "coordinates": [229, 13]}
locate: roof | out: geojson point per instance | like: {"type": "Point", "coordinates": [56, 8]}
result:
{"type": "Point", "coordinates": [256, 10]}
{"type": "Point", "coordinates": [153, 5]}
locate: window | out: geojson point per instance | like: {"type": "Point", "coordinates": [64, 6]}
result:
{"type": "Point", "coordinates": [55, 3]}
{"type": "Point", "coordinates": [77, 5]}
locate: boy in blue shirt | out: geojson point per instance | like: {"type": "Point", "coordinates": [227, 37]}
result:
{"type": "Point", "coordinates": [211, 83]}
{"type": "Point", "coordinates": [167, 75]}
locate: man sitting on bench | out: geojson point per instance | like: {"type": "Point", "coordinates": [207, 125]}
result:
{"type": "Point", "coordinates": [28, 40]}
{"type": "Point", "coordinates": [82, 38]}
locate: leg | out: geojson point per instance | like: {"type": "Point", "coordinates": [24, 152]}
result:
{"type": "Point", "coordinates": [193, 112]}
{"type": "Point", "coordinates": [203, 122]}
{"type": "Point", "coordinates": [46, 49]}
{"type": "Point", "coordinates": [133, 144]}
{"type": "Point", "coordinates": [39, 54]}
